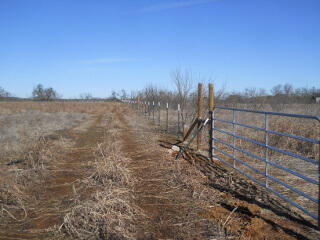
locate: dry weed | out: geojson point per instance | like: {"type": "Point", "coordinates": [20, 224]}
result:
{"type": "Point", "coordinates": [12, 207]}
{"type": "Point", "coordinates": [22, 131]}
{"type": "Point", "coordinates": [26, 153]}
{"type": "Point", "coordinates": [110, 172]}
{"type": "Point", "coordinates": [306, 129]}
{"type": "Point", "coordinates": [190, 178]}
{"type": "Point", "coordinates": [109, 213]}
{"type": "Point", "coordinates": [15, 178]}
{"type": "Point", "coordinates": [97, 108]}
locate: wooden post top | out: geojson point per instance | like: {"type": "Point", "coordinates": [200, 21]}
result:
{"type": "Point", "coordinates": [211, 97]}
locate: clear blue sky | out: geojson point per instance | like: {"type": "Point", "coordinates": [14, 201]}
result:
{"type": "Point", "coordinates": [97, 46]}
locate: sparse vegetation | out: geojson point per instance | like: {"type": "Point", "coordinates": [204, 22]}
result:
{"type": "Point", "coordinates": [110, 212]}
{"type": "Point", "coordinates": [101, 166]}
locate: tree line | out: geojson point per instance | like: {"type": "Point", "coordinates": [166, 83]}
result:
{"type": "Point", "coordinates": [279, 96]}
{"type": "Point", "coordinates": [184, 92]}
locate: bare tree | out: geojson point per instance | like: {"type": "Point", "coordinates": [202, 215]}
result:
{"type": "Point", "coordinates": [4, 93]}
{"type": "Point", "coordinates": [114, 94]}
{"type": "Point", "coordinates": [123, 94]}
{"type": "Point", "coordinates": [184, 82]}
{"type": "Point", "coordinates": [276, 90]}
{"type": "Point", "coordinates": [40, 93]}
{"type": "Point", "coordinates": [86, 96]}
{"type": "Point", "coordinates": [186, 92]}
{"type": "Point", "coordinates": [50, 94]}
{"type": "Point", "coordinates": [133, 95]}
{"type": "Point", "coordinates": [288, 89]}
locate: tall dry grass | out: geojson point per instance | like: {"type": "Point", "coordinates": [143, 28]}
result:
{"type": "Point", "coordinates": [110, 212]}
{"type": "Point", "coordinates": [18, 175]}
{"type": "Point", "coordinates": [27, 148]}
{"type": "Point", "coordinates": [22, 125]}
{"type": "Point", "coordinates": [54, 107]}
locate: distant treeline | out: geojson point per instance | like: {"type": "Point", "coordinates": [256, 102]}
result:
{"type": "Point", "coordinates": [39, 93]}
{"type": "Point", "coordinates": [283, 93]}
{"type": "Point", "coordinates": [185, 93]}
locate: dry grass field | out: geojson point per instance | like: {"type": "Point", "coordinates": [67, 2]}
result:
{"type": "Point", "coordinates": [101, 171]}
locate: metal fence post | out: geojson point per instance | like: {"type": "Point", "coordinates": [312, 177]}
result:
{"type": "Point", "coordinates": [153, 112]}
{"type": "Point", "coordinates": [159, 114]}
{"type": "Point", "coordinates": [200, 105]}
{"type": "Point", "coordinates": [167, 119]}
{"type": "Point", "coordinates": [178, 120]}
{"type": "Point", "coordinates": [149, 109]}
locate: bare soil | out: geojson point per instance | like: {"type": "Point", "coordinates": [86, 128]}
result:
{"type": "Point", "coordinates": [193, 198]}
{"type": "Point", "coordinates": [169, 210]}
{"type": "Point", "coordinates": [50, 199]}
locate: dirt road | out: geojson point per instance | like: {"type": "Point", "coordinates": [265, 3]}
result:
{"type": "Point", "coordinates": [169, 210]}
{"type": "Point", "coordinates": [187, 199]}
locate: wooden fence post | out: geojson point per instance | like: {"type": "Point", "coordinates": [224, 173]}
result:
{"type": "Point", "coordinates": [211, 107]}
{"type": "Point", "coordinates": [200, 106]}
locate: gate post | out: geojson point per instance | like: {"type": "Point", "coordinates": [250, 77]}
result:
{"type": "Point", "coordinates": [211, 107]}
{"type": "Point", "coordinates": [200, 105]}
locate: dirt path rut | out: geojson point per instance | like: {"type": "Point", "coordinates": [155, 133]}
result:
{"type": "Point", "coordinates": [169, 210]}
{"type": "Point", "coordinates": [52, 197]}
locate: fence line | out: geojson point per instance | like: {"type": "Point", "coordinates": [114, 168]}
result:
{"type": "Point", "coordinates": [228, 133]}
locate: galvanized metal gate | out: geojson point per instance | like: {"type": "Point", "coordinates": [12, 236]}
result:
{"type": "Point", "coordinates": [228, 139]}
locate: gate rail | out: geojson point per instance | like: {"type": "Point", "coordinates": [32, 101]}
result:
{"type": "Point", "coordinates": [267, 147]}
